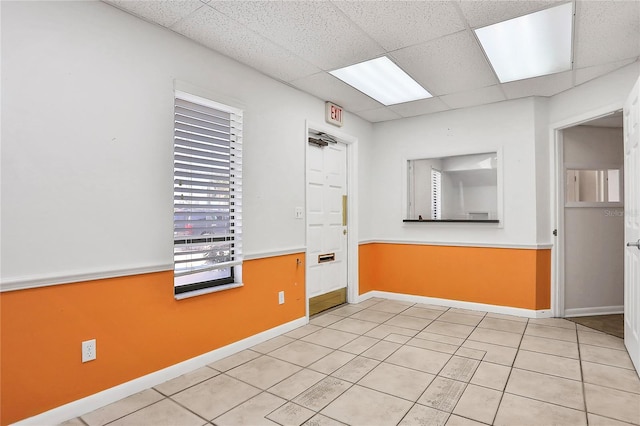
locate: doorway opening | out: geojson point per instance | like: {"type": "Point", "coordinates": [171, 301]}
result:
{"type": "Point", "coordinates": [631, 217]}
{"type": "Point", "coordinates": [590, 219]}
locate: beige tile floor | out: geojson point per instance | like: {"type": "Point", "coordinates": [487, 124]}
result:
{"type": "Point", "coordinates": [384, 362]}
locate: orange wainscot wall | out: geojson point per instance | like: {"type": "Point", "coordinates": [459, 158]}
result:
{"type": "Point", "coordinates": [518, 278]}
{"type": "Point", "coordinates": [139, 327]}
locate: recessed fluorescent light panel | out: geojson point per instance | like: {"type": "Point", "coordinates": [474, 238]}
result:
{"type": "Point", "coordinates": [383, 80]}
{"type": "Point", "coordinates": [531, 45]}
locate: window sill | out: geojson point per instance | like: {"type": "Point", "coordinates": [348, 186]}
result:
{"type": "Point", "coordinates": [601, 204]}
{"type": "Point", "coordinates": [452, 220]}
{"type": "Point", "coordinates": [207, 291]}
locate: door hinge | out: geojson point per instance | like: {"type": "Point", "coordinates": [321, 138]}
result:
{"type": "Point", "coordinates": [555, 232]}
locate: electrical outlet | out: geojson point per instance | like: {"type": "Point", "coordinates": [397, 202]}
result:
{"type": "Point", "coordinates": [299, 213]}
{"type": "Point", "coordinates": [281, 297]}
{"type": "Point", "coordinates": [89, 350]}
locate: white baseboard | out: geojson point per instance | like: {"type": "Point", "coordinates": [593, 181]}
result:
{"type": "Point", "coordinates": [116, 393]}
{"type": "Point", "coordinates": [108, 396]}
{"type": "Point", "coordinates": [507, 310]}
{"type": "Point", "coordinates": [596, 310]}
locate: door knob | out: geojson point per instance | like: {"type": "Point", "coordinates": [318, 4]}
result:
{"type": "Point", "coordinates": [636, 244]}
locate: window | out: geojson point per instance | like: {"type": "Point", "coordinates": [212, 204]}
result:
{"type": "Point", "coordinates": [436, 194]}
{"type": "Point", "coordinates": [456, 188]}
{"type": "Point", "coordinates": [588, 186]}
{"type": "Point", "coordinates": [207, 196]}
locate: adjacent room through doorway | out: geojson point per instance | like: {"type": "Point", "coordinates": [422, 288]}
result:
{"type": "Point", "coordinates": [594, 223]}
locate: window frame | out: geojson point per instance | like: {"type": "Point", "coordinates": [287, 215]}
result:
{"type": "Point", "coordinates": [604, 167]}
{"type": "Point", "coordinates": [232, 181]}
{"type": "Point", "coordinates": [408, 192]}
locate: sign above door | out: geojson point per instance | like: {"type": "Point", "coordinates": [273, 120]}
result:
{"type": "Point", "coordinates": [334, 114]}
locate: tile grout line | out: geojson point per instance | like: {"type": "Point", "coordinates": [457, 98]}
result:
{"type": "Point", "coordinates": [479, 361]}
{"type": "Point", "coordinates": [435, 376]}
{"type": "Point", "coordinates": [352, 384]}
{"type": "Point", "coordinates": [504, 390]}
{"type": "Point", "coordinates": [400, 346]}
{"type": "Point", "coordinates": [584, 390]}
{"type": "Point", "coordinates": [413, 403]}
{"type": "Point", "coordinates": [170, 397]}
{"type": "Point", "coordinates": [260, 354]}
{"type": "Point", "coordinates": [287, 401]}
{"type": "Point", "coordinates": [190, 386]}
{"type": "Point", "coordinates": [553, 403]}
{"type": "Point", "coordinates": [233, 378]}
{"type": "Point", "coordinates": [134, 411]}
{"type": "Point", "coordinates": [189, 410]}
{"type": "Point", "coordinates": [82, 420]}
{"type": "Point", "coordinates": [380, 361]}
{"type": "Point", "coordinates": [466, 384]}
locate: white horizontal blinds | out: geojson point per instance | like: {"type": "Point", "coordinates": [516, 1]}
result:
{"type": "Point", "coordinates": [436, 194]}
{"type": "Point", "coordinates": [207, 189]}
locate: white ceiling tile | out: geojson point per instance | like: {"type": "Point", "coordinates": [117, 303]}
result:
{"type": "Point", "coordinates": [163, 12]}
{"type": "Point", "coordinates": [218, 32]}
{"type": "Point", "coordinates": [547, 85]}
{"type": "Point", "coordinates": [423, 106]}
{"type": "Point", "coordinates": [293, 41]}
{"type": "Point", "coordinates": [606, 32]}
{"type": "Point", "coordinates": [449, 64]}
{"type": "Point", "coordinates": [379, 114]}
{"type": "Point", "coordinates": [328, 88]}
{"type": "Point", "coordinates": [484, 95]}
{"type": "Point", "coordinates": [480, 13]}
{"type": "Point", "coordinates": [396, 24]}
{"type": "Point", "coordinates": [583, 75]}
{"type": "Point", "coordinates": [316, 31]}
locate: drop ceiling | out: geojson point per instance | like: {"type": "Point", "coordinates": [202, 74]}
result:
{"type": "Point", "coordinates": [299, 42]}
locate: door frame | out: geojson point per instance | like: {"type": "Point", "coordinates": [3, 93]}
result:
{"type": "Point", "coordinates": [557, 182]}
{"type": "Point", "coordinates": [351, 143]}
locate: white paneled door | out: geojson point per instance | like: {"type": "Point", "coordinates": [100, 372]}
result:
{"type": "Point", "coordinates": [326, 219]}
{"type": "Point", "coordinates": [632, 225]}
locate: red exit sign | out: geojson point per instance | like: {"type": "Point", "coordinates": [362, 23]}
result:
{"type": "Point", "coordinates": [334, 114]}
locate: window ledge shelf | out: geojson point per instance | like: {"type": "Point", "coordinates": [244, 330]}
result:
{"type": "Point", "coordinates": [451, 220]}
{"type": "Point", "coordinates": [208, 290]}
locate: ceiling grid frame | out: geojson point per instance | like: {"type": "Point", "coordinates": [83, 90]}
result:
{"type": "Point", "coordinates": [276, 52]}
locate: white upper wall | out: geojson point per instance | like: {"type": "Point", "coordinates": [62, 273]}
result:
{"type": "Point", "coordinates": [589, 100]}
{"type": "Point", "coordinates": [506, 126]}
{"type": "Point", "coordinates": [87, 157]}
{"type": "Point", "coordinates": [521, 127]}
{"type": "Point", "coordinates": [87, 111]}
{"type": "Point", "coordinates": [610, 90]}
{"type": "Point", "coordinates": [543, 166]}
